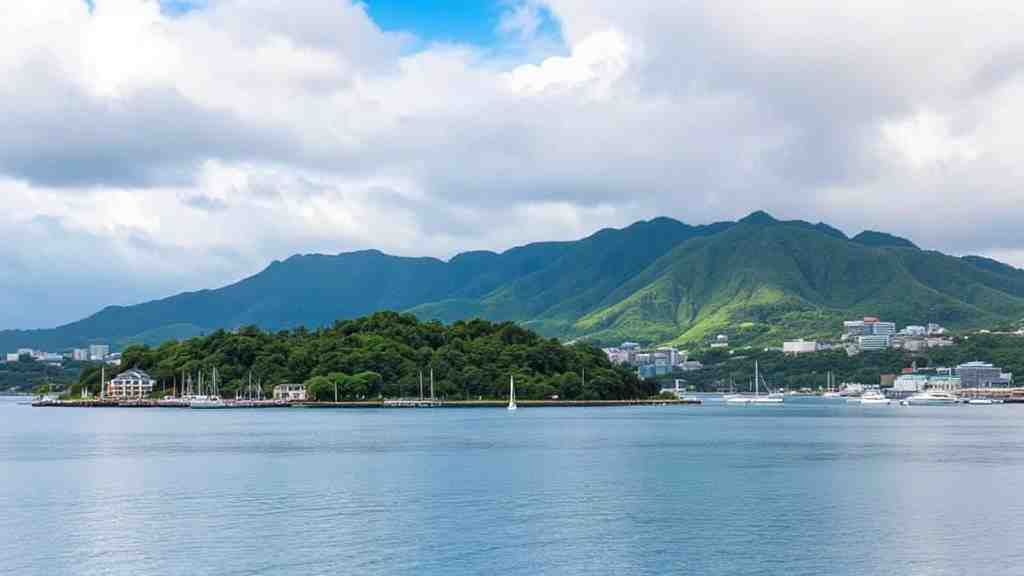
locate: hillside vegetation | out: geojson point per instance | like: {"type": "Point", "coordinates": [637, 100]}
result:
{"type": "Point", "coordinates": [758, 280]}
{"type": "Point", "coordinates": [384, 355]}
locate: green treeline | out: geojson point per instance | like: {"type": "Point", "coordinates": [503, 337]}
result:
{"type": "Point", "coordinates": [384, 355]}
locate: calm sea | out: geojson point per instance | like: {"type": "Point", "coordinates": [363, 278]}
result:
{"type": "Point", "coordinates": [804, 488]}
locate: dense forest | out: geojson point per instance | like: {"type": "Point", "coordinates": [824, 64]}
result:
{"type": "Point", "coordinates": [722, 369]}
{"type": "Point", "coordinates": [384, 355]}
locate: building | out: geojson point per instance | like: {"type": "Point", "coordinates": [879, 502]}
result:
{"type": "Point", "coordinates": [910, 383]}
{"type": "Point", "coordinates": [674, 357]}
{"type": "Point", "coordinates": [914, 331]}
{"type": "Point", "coordinates": [873, 342]}
{"type": "Point", "coordinates": [13, 357]}
{"type": "Point", "coordinates": [623, 354]}
{"type": "Point", "coordinates": [98, 352]}
{"type": "Point", "coordinates": [867, 326]}
{"type": "Point", "coordinates": [690, 366]}
{"type": "Point", "coordinates": [983, 375]}
{"type": "Point", "coordinates": [721, 341]}
{"type": "Point", "coordinates": [799, 347]}
{"type": "Point", "coordinates": [114, 359]}
{"type": "Point", "coordinates": [80, 354]}
{"type": "Point", "coordinates": [131, 384]}
{"type": "Point", "coordinates": [939, 342]}
{"type": "Point", "coordinates": [291, 392]}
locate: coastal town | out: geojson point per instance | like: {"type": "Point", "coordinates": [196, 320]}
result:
{"type": "Point", "coordinates": [868, 334]}
{"type": "Point", "coordinates": [670, 366]}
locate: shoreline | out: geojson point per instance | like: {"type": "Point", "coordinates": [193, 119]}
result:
{"type": "Point", "coordinates": [385, 404]}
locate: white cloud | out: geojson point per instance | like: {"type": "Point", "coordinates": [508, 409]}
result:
{"type": "Point", "coordinates": [185, 151]}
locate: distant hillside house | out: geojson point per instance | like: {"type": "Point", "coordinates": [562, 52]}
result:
{"type": "Point", "coordinates": [131, 384]}
{"type": "Point", "coordinates": [800, 346]}
{"type": "Point", "coordinates": [290, 392]}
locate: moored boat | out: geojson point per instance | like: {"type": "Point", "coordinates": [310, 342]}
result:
{"type": "Point", "coordinates": [874, 397]}
{"type": "Point", "coordinates": [930, 398]}
{"type": "Point", "coordinates": [757, 398]}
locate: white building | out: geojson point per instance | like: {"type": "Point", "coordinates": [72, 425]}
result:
{"type": "Point", "coordinates": [98, 352]}
{"type": "Point", "coordinates": [672, 355]}
{"type": "Point", "coordinates": [873, 342]}
{"type": "Point", "coordinates": [80, 354]}
{"type": "Point", "coordinates": [910, 383]}
{"type": "Point", "coordinates": [290, 392]}
{"type": "Point", "coordinates": [13, 357]}
{"type": "Point", "coordinates": [131, 384]}
{"type": "Point", "coordinates": [914, 331]}
{"type": "Point", "coordinates": [799, 347]}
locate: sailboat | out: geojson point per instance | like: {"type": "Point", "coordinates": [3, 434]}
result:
{"type": "Point", "coordinates": [213, 400]}
{"type": "Point", "coordinates": [756, 398]}
{"type": "Point", "coordinates": [511, 392]}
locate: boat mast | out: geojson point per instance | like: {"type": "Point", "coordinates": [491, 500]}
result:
{"type": "Point", "coordinates": [431, 384]}
{"type": "Point", "coordinates": [756, 377]}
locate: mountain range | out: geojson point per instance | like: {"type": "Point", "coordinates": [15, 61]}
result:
{"type": "Point", "coordinates": [758, 280]}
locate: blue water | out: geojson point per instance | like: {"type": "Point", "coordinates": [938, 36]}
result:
{"type": "Point", "coordinates": [804, 488]}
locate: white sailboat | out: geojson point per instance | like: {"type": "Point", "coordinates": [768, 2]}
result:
{"type": "Point", "coordinates": [210, 401]}
{"type": "Point", "coordinates": [511, 392]}
{"type": "Point", "coordinates": [756, 398]}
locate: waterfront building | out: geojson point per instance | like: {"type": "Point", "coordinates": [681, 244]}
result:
{"type": "Point", "coordinates": [290, 392]}
{"type": "Point", "coordinates": [80, 354]}
{"type": "Point", "coordinates": [131, 384]}
{"type": "Point", "coordinates": [98, 352]}
{"type": "Point", "coordinates": [983, 375]}
{"type": "Point", "coordinates": [910, 383]}
{"type": "Point", "coordinates": [799, 347]}
{"type": "Point", "coordinates": [13, 357]}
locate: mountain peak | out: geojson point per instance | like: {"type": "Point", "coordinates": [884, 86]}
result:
{"type": "Point", "coordinates": [760, 217]}
{"type": "Point", "coordinates": [882, 240]}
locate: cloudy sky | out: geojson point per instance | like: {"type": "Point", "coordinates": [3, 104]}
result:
{"type": "Point", "coordinates": [148, 148]}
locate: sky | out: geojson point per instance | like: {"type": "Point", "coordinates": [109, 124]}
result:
{"type": "Point", "coordinates": [149, 148]}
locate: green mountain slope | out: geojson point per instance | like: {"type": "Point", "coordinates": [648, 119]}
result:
{"type": "Point", "coordinates": [661, 280]}
{"type": "Point", "coordinates": [765, 280]}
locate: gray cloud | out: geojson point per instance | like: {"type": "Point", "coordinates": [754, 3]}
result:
{"type": "Point", "coordinates": [240, 132]}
